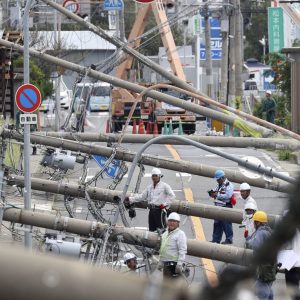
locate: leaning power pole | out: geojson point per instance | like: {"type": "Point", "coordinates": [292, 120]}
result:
{"type": "Point", "coordinates": [231, 119]}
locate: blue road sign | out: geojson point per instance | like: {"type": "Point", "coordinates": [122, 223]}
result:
{"type": "Point", "coordinates": [112, 169]}
{"type": "Point", "coordinates": [113, 5]}
{"type": "Point", "coordinates": [216, 54]}
{"type": "Point", "coordinates": [215, 40]}
{"type": "Point", "coordinates": [28, 98]}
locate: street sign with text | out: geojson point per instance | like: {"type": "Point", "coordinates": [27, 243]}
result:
{"type": "Point", "coordinates": [113, 5]}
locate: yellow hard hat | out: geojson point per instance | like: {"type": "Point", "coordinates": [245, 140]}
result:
{"type": "Point", "coordinates": [260, 216]}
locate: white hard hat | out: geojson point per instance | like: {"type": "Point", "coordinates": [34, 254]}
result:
{"type": "Point", "coordinates": [250, 205]}
{"type": "Point", "coordinates": [128, 256]}
{"type": "Point", "coordinates": [156, 171]}
{"type": "Point", "coordinates": [174, 216]}
{"type": "Point", "coordinates": [245, 187]}
{"type": "Point", "coordinates": [269, 92]}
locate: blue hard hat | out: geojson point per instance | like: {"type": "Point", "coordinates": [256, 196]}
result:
{"type": "Point", "coordinates": [219, 174]}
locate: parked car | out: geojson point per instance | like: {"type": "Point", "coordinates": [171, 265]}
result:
{"type": "Point", "coordinates": [100, 98]}
{"type": "Point", "coordinates": [47, 105]}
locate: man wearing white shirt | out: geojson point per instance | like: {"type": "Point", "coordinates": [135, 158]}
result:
{"type": "Point", "coordinates": [245, 191]}
{"type": "Point", "coordinates": [159, 196]}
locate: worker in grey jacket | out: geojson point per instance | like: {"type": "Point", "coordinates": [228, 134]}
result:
{"type": "Point", "coordinates": [173, 248]}
{"type": "Point", "coordinates": [159, 196]}
{"type": "Point", "coordinates": [266, 272]}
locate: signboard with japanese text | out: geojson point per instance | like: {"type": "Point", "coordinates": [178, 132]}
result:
{"type": "Point", "coordinates": [215, 40]}
{"type": "Point", "coordinates": [112, 169]}
{"type": "Point", "coordinates": [275, 29]}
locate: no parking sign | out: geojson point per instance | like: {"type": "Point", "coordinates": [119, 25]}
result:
{"type": "Point", "coordinates": [28, 98]}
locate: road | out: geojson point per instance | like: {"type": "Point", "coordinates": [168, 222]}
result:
{"type": "Point", "coordinates": [194, 188]}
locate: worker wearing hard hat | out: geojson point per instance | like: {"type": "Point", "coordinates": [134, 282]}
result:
{"type": "Point", "coordinates": [266, 272]}
{"type": "Point", "coordinates": [223, 196]}
{"type": "Point", "coordinates": [245, 191]}
{"type": "Point", "coordinates": [159, 196]}
{"type": "Point", "coordinates": [269, 107]}
{"type": "Point", "coordinates": [248, 223]}
{"type": "Point", "coordinates": [130, 261]}
{"type": "Point", "coordinates": [173, 248]}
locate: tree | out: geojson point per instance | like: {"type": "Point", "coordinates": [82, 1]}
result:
{"type": "Point", "coordinates": [38, 77]}
{"type": "Point", "coordinates": [257, 27]}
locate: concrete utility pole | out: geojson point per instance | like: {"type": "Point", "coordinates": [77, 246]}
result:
{"type": "Point", "coordinates": [224, 61]}
{"type": "Point", "coordinates": [57, 44]}
{"type": "Point", "coordinates": [97, 194]}
{"type": "Point", "coordinates": [215, 141]}
{"type": "Point", "coordinates": [48, 277]}
{"type": "Point", "coordinates": [151, 160]}
{"type": "Point", "coordinates": [229, 119]}
{"type": "Point", "coordinates": [294, 54]}
{"type": "Point", "coordinates": [231, 71]}
{"type": "Point", "coordinates": [238, 40]}
{"type": "Point", "coordinates": [208, 60]}
{"type": "Point", "coordinates": [27, 173]}
{"type": "Point", "coordinates": [229, 254]}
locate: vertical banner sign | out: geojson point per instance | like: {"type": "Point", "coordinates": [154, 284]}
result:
{"type": "Point", "coordinates": [275, 29]}
{"type": "Point", "coordinates": [216, 40]}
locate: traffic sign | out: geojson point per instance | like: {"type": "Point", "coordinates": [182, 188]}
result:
{"type": "Point", "coordinates": [113, 167]}
{"type": "Point", "coordinates": [113, 5]}
{"type": "Point", "coordinates": [28, 98]}
{"type": "Point", "coordinates": [215, 40]}
{"type": "Point", "coordinates": [71, 5]}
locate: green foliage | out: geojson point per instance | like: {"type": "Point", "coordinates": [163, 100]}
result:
{"type": "Point", "coordinates": [238, 102]}
{"type": "Point", "coordinates": [284, 154]}
{"type": "Point", "coordinates": [257, 30]}
{"type": "Point", "coordinates": [282, 69]}
{"type": "Point", "coordinates": [38, 77]}
{"type": "Point", "coordinates": [99, 17]}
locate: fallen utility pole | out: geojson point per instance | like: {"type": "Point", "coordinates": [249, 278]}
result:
{"type": "Point", "coordinates": [178, 82]}
{"type": "Point", "coordinates": [215, 141]}
{"type": "Point", "coordinates": [229, 254]}
{"type": "Point", "coordinates": [97, 194]}
{"type": "Point", "coordinates": [230, 119]}
{"type": "Point", "coordinates": [48, 277]}
{"type": "Point", "coordinates": [151, 160]}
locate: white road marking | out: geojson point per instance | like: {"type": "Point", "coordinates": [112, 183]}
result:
{"type": "Point", "coordinates": [183, 175]}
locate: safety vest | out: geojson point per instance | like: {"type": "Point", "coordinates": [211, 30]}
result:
{"type": "Point", "coordinates": [165, 239]}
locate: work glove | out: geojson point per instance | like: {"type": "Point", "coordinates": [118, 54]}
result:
{"type": "Point", "coordinates": [126, 202]}
{"type": "Point", "coordinates": [178, 269]}
{"type": "Point", "coordinates": [160, 266]}
{"type": "Point", "coordinates": [131, 213]}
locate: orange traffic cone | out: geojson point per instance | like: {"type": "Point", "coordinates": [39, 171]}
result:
{"type": "Point", "coordinates": [107, 130]}
{"type": "Point", "coordinates": [141, 127]}
{"type": "Point", "coordinates": [134, 126]}
{"type": "Point", "coordinates": [149, 128]}
{"type": "Point", "coordinates": [155, 128]}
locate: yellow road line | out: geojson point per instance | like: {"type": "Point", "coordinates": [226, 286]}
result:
{"type": "Point", "coordinates": [209, 267]}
